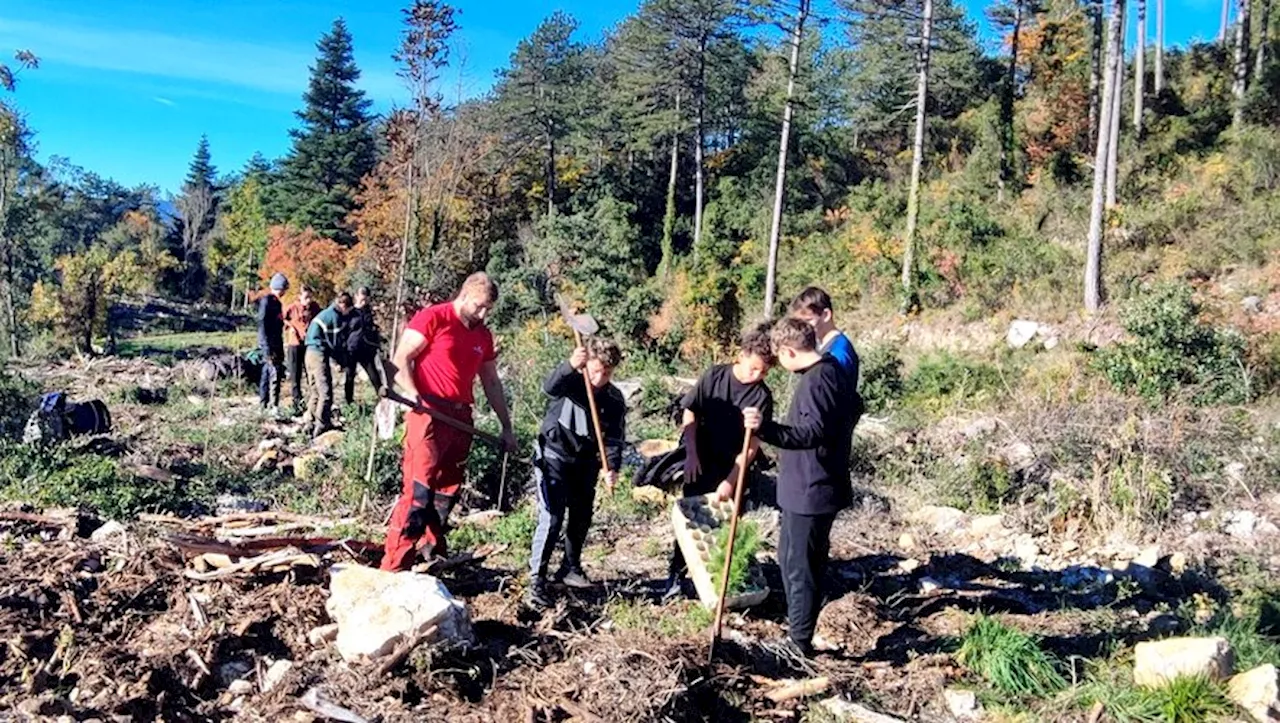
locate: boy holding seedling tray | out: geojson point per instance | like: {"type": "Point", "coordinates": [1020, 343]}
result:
{"type": "Point", "coordinates": [712, 428]}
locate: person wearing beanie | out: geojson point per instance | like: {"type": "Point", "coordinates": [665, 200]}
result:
{"type": "Point", "coordinates": [271, 343]}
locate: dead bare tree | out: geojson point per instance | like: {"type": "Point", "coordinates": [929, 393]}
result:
{"type": "Point", "coordinates": [1264, 30]}
{"type": "Point", "coordinates": [1093, 263]}
{"type": "Point", "coordinates": [1159, 82]}
{"type": "Point", "coordinates": [1113, 138]}
{"type": "Point", "coordinates": [195, 207]}
{"type": "Point", "coordinates": [775, 229]}
{"type": "Point", "coordinates": [917, 159]}
{"type": "Point", "coordinates": [1240, 80]}
{"type": "Point", "coordinates": [1139, 69]}
{"type": "Point", "coordinates": [1226, 20]}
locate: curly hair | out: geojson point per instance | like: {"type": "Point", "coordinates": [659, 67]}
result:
{"type": "Point", "coordinates": [755, 342]}
{"type": "Point", "coordinates": [605, 350]}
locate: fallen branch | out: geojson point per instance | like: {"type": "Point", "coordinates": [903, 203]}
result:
{"type": "Point", "coordinates": [855, 713]}
{"type": "Point", "coordinates": [315, 701]}
{"type": "Point", "coordinates": [69, 599]}
{"type": "Point", "coordinates": [193, 545]}
{"type": "Point", "coordinates": [799, 689]}
{"type": "Point", "coordinates": [402, 651]}
{"type": "Point", "coordinates": [38, 519]}
{"type": "Point", "coordinates": [578, 711]}
{"type": "Point", "coordinates": [273, 562]}
{"type": "Point", "coordinates": [466, 558]}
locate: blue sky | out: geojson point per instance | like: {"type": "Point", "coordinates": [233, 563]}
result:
{"type": "Point", "coordinates": [126, 87]}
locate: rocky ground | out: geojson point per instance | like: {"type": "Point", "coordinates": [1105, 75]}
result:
{"type": "Point", "coordinates": [222, 614]}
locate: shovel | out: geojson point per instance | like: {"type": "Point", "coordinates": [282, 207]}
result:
{"type": "Point", "coordinates": [728, 552]}
{"type": "Point", "coordinates": [585, 325]}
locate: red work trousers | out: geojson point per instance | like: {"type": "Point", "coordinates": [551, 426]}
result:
{"type": "Point", "coordinates": [435, 457]}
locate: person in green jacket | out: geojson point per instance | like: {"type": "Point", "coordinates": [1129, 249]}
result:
{"type": "Point", "coordinates": [325, 344]}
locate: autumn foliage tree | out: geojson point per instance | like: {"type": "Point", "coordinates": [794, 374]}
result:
{"type": "Point", "coordinates": [306, 259]}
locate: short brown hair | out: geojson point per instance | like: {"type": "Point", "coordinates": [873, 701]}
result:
{"type": "Point", "coordinates": [813, 300]}
{"type": "Point", "coordinates": [755, 341]}
{"type": "Point", "coordinates": [605, 350]}
{"type": "Point", "coordinates": [480, 283]}
{"type": "Point", "coordinates": [792, 333]}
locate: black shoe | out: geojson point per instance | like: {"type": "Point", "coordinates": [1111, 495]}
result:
{"type": "Point", "coordinates": [576, 578]}
{"type": "Point", "coordinates": [674, 591]}
{"type": "Point", "coordinates": [536, 598]}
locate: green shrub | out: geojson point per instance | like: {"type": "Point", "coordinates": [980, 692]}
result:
{"type": "Point", "coordinates": [943, 379]}
{"type": "Point", "coordinates": [1172, 350]}
{"type": "Point", "coordinates": [881, 385]}
{"type": "Point", "coordinates": [1008, 659]}
{"type": "Point", "coordinates": [746, 543]}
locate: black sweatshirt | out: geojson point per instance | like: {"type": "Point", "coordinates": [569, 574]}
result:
{"type": "Point", "coordinates": [567, 433]}
{"type": "Point", "coordinates": [816, 441]}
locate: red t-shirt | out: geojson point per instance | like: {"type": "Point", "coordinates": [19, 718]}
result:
{"type": "Point", "coordinates": [448, 366]}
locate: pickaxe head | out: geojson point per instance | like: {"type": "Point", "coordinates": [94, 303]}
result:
{"type": "Point", "coordinates": [584, 324]}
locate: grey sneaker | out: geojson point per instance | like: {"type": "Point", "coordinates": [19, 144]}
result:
{"type": "Point", "coordinates": [576, 579]}
{"type": "Point", "coordinates": [674, 591]}
{"type": "Point", "coordinates": [535, 598]}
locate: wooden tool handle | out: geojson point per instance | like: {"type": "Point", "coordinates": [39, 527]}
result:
{"type": "Point", "coordinates": [595, 412]}
{"type": "Point", "coordinates": [728, 552]}
{"type": "Point", "coordinates": [441, 417]}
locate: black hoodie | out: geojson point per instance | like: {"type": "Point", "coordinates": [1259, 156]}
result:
{"type": "Point", "coordinates": [816, 441]}
{"type": "Point", "coordinates": [567, 433]}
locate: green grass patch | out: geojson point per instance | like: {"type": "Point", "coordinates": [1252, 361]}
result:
{"type": "Point", "coordinates": [746, 544]}
{"type": "Point", "coordinates": [157, 344]}
{"type": "Point", "coordinates": [684, 620]}
{"type": "Point", "coordinates": [1184, 700]}
{"type": "Point", "coordinates": [1250, 644]}
{"type": "Point", "coordinates": [514, 529]}
{"type": "Point", "coordinates": [73, 476]}
{"type": "Point", "coordinates": [1008, 659]}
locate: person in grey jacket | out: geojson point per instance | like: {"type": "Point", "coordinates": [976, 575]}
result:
{"type": "Point", "coordinates": [567, 461]}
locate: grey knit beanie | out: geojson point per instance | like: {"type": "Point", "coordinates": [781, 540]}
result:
{"type": "Point", "coordinates": [279, 282]}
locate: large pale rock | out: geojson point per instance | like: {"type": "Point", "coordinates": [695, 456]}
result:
{"type": "Point", "coordinates": [939, 519]}
{"type": "Point", "coordinates": [1158, 662]}
{"type": "Point", "coordinates": [377, 610]}
{"type": "Point", "coordinates": [963, 704]}
{"type": "Point", "coordinates": [1257, 692]}
{"type": "Point", "coordinates": [1021, 332]}
{"type": "Point", "coordinates": [327, 441]}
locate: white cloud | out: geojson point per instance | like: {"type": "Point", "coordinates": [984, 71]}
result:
{"type": "Point", "coordinates": [225, 62]}
{"type": "Point", "coordinates": [164, 101]}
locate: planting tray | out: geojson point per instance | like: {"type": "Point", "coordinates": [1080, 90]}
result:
{"type": "Point", "coordinates": [696, 521]}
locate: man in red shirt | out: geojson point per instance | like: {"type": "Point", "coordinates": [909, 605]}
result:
{"type": "Point", "coordinates": [440, 353]}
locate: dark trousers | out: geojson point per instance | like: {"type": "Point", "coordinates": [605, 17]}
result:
{"type": "Point", "coordinates": [566, 494]}
{"type": "Point", "coordinates": [272, 375]}
{"type": "Point", "coordinates": [804, 542]}
{"type": "Point", "coordinates": [369, 362]}
{"type": "Point", "coordinates": [293, 370]}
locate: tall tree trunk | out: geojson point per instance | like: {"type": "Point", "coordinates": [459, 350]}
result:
{"type": "Point", "coordinates": [1101, 153]}
{"type": "Point", "coordinates": [410, 209]}
{"type": "Point", "coordinates": [1226, 19]}
{"type": "Point", "coordinates": [698, 142]}
{"type": "Point", "coordinates": [1139, 69]}
{"type": "Point", "coordinates": [11, 316]}
{"type": "Point", "coordinates": [1096, 46]}
{"type": "Point", "coordinates": [1113, 144]}
{"type": "Point", "coordinates": [1006, 105]}
{"type": "Point", "coordinates": [669, 218]}
{"type": "Point", "coordinates": [917, 158]}
{"type": "Point", "coordinates": [1159, 46]}
{"type": "Point", "coordinates": [551, 173]}
{"type": "Point", "coordinates": [775, 230]}
{"type": "Point", "coordinates": [1241, 79]}
{"type": "Point", "coordinates": [1264, 29]}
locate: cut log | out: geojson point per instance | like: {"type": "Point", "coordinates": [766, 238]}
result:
{"type": "Point", "coordinates": [799, 689]}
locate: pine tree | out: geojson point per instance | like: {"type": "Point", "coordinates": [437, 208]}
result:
{"type": "Point", "coordinates": [201, 172]}
{"type": "Point", "coordinates": [335, 146]}
{"type": "Point", "coordinates": [540, 94]}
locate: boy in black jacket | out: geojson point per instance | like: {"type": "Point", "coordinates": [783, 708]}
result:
{"type": "Point", "coordinates": [568, 461]}
{"type": "Point", "coordinates": [816, 441]}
